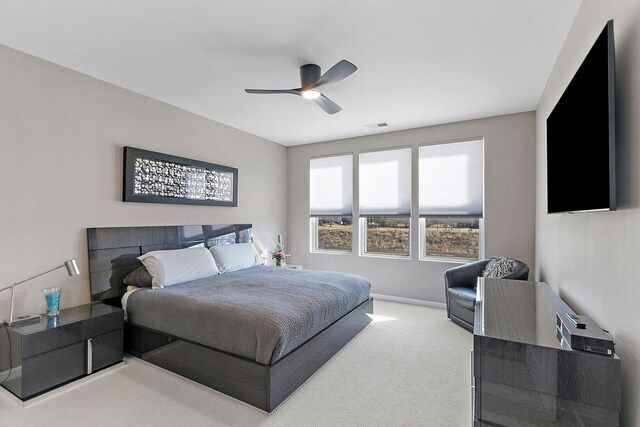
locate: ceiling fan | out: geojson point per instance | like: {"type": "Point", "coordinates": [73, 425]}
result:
{"type": "Point", "coordinates": [312, 83]}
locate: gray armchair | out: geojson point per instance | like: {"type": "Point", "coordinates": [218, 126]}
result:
{"type": "Point", "coordinates": [460, 289]}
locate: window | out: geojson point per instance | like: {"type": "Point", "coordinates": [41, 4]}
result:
{"type": "Point", "coordinates": [332, 233]}
{"type": "Point", "coordinates": [451, 193]}
{"type": "Point", "coordinates": [331, 201]}
{"type": "Point", "coordinates": [385, 202]}
{"type": "Point", "coordinates": [387, 236]}
{"type": "Point", "coordinates": [451, 237]}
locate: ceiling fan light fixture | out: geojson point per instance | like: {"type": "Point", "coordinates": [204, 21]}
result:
{"type": "Point", "coordinates": [310, 94]}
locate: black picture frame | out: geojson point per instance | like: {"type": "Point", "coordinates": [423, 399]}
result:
{"type": "Point", "coordinates": [157, 191]}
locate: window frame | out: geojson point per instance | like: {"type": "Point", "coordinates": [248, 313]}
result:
{"type": "Point", "coordinates": [362, 220]}
{"type": "Point", "coordinates": [422, 219]}
{"type": "Point", "coordinates": [313, 219]}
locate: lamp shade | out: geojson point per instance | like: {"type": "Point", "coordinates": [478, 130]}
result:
{"type": "Point", "coordinates": [72, 267]}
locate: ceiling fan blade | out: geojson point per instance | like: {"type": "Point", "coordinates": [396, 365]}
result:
{"type": "Point", "coordinates": [272, 91]}
{"type": "Point", "coordinates": [327, 105]}
{"type": "Point", "coordinates": [341, 70]}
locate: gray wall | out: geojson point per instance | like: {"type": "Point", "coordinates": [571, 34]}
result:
{"type": "Point", "coordinates": [509, 203]}
{"type": "Point", "coordinates": [592, 259]}
{"type": "Point", "coordinates": [61, 135]}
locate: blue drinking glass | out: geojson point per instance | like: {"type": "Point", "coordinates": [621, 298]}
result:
{"type": "Point", "coordinates": [52, 297]}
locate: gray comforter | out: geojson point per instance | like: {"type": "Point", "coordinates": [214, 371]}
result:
{"type": "Point", "coordinates": [261, 313]}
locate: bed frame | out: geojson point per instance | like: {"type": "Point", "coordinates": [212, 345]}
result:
{"type": "Point", "coordinates": [113, 254]}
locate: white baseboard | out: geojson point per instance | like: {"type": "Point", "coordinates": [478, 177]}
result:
{"type": "Point", "coordinates": [410, 301]}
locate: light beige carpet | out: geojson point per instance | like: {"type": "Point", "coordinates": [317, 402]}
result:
{"type": "Point", "coordinates": [410, 367]}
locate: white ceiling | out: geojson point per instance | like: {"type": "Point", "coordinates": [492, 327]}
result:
{"type": "Point", "coordinates": [419, 62]}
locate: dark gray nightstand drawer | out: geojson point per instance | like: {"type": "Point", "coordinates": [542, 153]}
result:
{"type": "Point", "coordinates": [50, 369]}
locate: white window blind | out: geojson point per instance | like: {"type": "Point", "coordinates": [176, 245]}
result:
{"type": "Point", "coordinates": [331, 186]}
{"type": "Point", "coordinates": [451, 179]}
{"type": "Point", "coordinates": [385, 183]}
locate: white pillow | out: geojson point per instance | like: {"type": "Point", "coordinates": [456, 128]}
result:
{"type": "Point", "coordinates": [235, 257]}
{"type": "Point", "coordinates": [178, 266]}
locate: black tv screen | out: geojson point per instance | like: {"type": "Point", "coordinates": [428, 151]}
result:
{"type": "Point", "coordinates": [581, 136]}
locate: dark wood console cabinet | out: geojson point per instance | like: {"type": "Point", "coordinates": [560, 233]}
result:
{"type": "Point", "coordinates": [37, 357]}
{"type": "Point", "coordinates": [521, 373]}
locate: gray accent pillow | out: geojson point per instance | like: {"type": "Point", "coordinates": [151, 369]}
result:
{"type": "Point", "coordinates": [499, 267]}
{"type": "Point", "coordinates": [139, 277]}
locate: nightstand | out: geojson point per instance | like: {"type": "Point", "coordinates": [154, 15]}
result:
{"type": "Point", "coordinates": [37, 357]}
{"type": "Point", "coordinates": [294, 266]}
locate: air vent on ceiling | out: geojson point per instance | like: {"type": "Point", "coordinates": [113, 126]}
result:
{"type": "Point", "coordinates": [377, 125]}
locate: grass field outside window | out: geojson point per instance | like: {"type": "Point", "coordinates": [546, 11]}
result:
{"type": "Point", "coordinates": [386, 236]}
{"type": "Point", "coordinates": [332, 234]}
{"type": "Point", "coordinates": [455, 238]}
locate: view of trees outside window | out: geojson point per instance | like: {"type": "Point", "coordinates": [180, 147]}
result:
{"type": "Point", "coordinates": [452, 237]}
{"type": "Point", "coordinates": [334, 233]}
{"type": "Point", "coordinates": [387, 235]}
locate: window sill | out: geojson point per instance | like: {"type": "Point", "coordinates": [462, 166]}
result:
{"type": "Point", "coordinates": [389, 256]}
{"type": "Point", "coordinates": [321, 252]}
{"type": "Point", "coordinates": [449, 260]}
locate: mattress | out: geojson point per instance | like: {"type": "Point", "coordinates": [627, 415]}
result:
{"type": "Point", "coordinates": [260, 313]}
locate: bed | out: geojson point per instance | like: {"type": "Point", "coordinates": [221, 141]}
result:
{"type": "Point", "coordinates": [255, 334]}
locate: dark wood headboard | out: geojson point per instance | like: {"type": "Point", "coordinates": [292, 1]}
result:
{"type": "Point", "coordinates": [113, 251]}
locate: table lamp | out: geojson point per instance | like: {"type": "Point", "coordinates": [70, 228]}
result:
{"type": "Point", "coordinates": [262, 252]}
{"type": "Point", "coordinates": [72, 270]}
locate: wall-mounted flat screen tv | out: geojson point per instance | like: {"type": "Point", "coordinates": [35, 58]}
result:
{"type": "Point", "coordinates": [581, 136]}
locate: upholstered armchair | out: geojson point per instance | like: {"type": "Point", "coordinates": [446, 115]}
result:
{"type": "Point", "coordinates": [460, 289]}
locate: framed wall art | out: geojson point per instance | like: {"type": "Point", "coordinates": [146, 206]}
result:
{"type": "Point", "coordinates": [152, 177]}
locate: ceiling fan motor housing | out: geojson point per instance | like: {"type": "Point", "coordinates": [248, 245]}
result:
{"type": "Point", "coordinates": [309, 74]}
